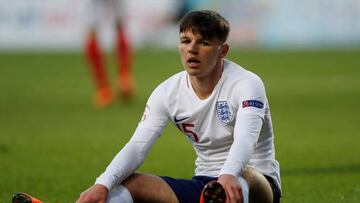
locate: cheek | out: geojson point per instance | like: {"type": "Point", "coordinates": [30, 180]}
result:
{"type": "Point", "coordinates": [182, 55]}
{"type": "Point", "coordinates": [212, 57]}
{"type": "Point", "coordinates": [181, 50]}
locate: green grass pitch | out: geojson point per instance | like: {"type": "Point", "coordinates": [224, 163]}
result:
{"type": "Point", "coordinates": [54, 143]}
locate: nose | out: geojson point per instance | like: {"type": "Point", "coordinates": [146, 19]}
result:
{"type": "Point", "coordinates": [193, 48]}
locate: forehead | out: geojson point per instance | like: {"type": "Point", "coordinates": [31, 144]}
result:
{"type": "Point", "coordinates": [193, 35]}
{"type": "Point", "coordinates": [189, 33]}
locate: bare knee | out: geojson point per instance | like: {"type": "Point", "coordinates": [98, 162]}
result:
{"type": "Point", "coordinates": [259, 188]}
{"type": "Point", "coordinates": [149, 188]}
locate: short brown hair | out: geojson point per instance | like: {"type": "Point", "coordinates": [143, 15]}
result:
{"type": "Point", "coordinates": [209, 24]}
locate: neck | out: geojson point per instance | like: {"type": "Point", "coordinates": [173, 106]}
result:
{"type": "Point", "coordinates": [204, 86]}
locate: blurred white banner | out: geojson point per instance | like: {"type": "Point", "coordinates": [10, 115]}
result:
{"type": "Point", "coordinates": [61, 24]}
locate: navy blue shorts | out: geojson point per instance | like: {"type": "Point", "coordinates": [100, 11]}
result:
{"type": "Point", "coordinates": [275, 189]}
{"type": "Point", "coordinates": [189, 190]}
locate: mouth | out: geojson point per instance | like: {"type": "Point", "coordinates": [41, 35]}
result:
{"type": "Point", "coordinates": [193, 62]}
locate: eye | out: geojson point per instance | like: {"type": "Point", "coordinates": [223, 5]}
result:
{"type": "Point", "coordinates": [184, 41]}
{"type": "Point", "coordinates": [205, 43]}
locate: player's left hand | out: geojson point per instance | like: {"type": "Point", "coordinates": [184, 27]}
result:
{"type": "Point", "coordinates": [232, 188]}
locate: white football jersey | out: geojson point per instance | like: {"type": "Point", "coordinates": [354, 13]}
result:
{"type": "Point", "coordinates": [229, 130]}
{"type": "Point", "coordinates": [210, 123]}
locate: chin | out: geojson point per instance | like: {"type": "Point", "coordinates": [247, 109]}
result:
{"type": "Point", "coordinates": [193, 73]}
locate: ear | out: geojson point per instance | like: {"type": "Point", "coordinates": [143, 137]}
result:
{"type": "Point", "coordinates": [224, 50]}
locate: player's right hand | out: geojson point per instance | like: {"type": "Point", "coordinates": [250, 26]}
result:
{"type": "Point", "coordinates": [95, 194]}
{"type": "Point", "coordinates": [232, 188]}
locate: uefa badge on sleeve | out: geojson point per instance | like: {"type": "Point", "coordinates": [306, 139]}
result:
{"type": "Point", "coordinates": [223, 112]}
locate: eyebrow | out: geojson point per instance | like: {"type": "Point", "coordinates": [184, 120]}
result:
{"type": "Point", "coordinates": [184, 37]}
{"type": "Point", "coordinates": [187, 37]}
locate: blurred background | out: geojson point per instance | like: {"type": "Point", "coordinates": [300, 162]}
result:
{"type": "Point", "coordinates": [271, 24]}
{"type": "Point", "coordinates": [54, 142]}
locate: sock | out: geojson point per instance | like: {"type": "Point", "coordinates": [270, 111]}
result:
{"type": "Point", "coordinates": [245, 189]}
{"type": "Point", "coordinates": [119, 194]}
{"type": "Point", "coordinates": [95, 59]}
{"type": "Point", "coordinates": [124, 63]}
{"type": "Point", "coordinates": [123, 52]}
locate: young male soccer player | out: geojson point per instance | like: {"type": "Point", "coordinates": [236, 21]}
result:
{"type": "Point", "coordinates": [221, 108]}
{"type": "Point", "coordinates": [104, 94]}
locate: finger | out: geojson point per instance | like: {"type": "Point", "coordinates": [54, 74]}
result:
{"type": "Point", "coordinates": [235, 195]}
{"type": "Point", "coordinates": [238, 195]}
{"type": "Point", "coordinates": [227, 195]}
{"type": "Point", "coordinates": [231, 195]}
{"type": "Point", "coordinates": [241, 198]}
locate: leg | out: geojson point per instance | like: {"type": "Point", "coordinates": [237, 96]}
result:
{"type": "Point", "coordinates": [103, 94]}
{"type": "Point", "coordinates": [124, 63]}
{"type": "Point", "coordinates": [259, 188]}
{"type": "Point", "coordinates": [148, 188]}
{"type": "Point", "coordinates": [123, 50]}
